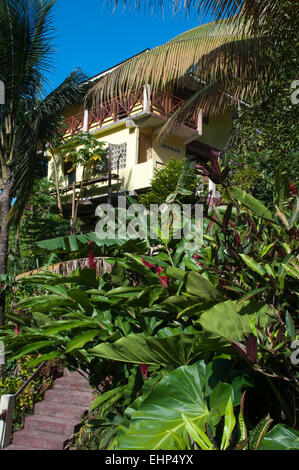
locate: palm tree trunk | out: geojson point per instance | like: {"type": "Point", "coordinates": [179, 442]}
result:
{"type": "Point", "coordinates": [5, 202]}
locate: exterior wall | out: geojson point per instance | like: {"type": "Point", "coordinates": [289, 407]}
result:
{"type": "Point", "coordinates": [217, 132]}
{"type": "Point", "coordinates": [172, 148]}
{"type": "Point", "coordinates": [138, 176]}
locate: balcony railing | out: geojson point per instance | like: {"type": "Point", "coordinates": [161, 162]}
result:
{"type": "Point", "coordinates": [161, 104]}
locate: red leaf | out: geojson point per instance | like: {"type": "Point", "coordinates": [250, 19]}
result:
{"type": "Point", "coordinates": [251, 348]}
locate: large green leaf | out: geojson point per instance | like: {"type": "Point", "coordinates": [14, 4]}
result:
{"type": "Point", "coordinates": [249, 201]}
{"type": "Point", "coordinates": [40, 303]}
{"type": "Point", "coordinates": [201, 287]}
{"type": "Point", "coordinates": [82, 299]}
{"type": "Point", "coordinates": [81, 339]}
{"type": "Point", "coordinates": [172, 350]}
{"type": "Point", "coordinates": [281, 438]}
{"type": "Point", "coordinates": [69, 325]}
{"type": "Point", "coordinates": [232, 321]}
{"type": "Point", "coordinates": [37, 346]}
{"type": "Point", "coordinates": [195, 284]}
{"type": "Point", "coordinates": [161, 414]}
{"type": "Point", "coordinates": [113, 394]}
{"type": "Point", "coordinates": [229, 424]}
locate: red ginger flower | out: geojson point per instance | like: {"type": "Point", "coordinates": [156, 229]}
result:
{"type": "Point", "coordinates": [144, 370]}
{"type": "Point", "coordinates": [159, 269]}
{"type": "Point", "coordinates": [91, 260]}
{"type": "Point", "coordinates": [148, 265]}
{"type": "Point", "coordinates": [163, 279]}
{"type": "Point", "coordinates": [293, 190]}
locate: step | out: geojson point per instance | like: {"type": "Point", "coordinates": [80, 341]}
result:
{"type": "Point", "coordinates": [53, 409]}
{"type": "Point", "coordinates": [49, 424]}
{"type": "Point", "coordinates": [39, 439]}
{"type": "Point", "coordinates": [15, 447]}
{"type": "Point", "coordinates": [68, 373]}
{"type": "Point", "coordinates": [72, 383]}
{"type": "Point", "coordinates": [66, 396]}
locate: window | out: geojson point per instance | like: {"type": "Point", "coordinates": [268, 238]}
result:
{"type": "Point", "coordinates": [145, 148]}
{"type": "Point", "coordinates": [71, 175]}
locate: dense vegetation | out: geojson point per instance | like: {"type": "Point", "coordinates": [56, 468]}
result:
{"type": "Point", "coordinates": [199, 343]}
{"type": "Point", "coordinates": [221, 318]}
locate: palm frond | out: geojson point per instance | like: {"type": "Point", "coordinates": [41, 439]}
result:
{"type": "Point", "coordinates": [214, 53]}
{"type": "Point", "coordinates": [252, 12]}
{"type": "Point", "coordinates": [165, 64]}
{"type": "Point", "coordinates": [25, 49]}
{"type": "Point", "coordinates": [39, 127]}
{"type": "Point", "coordinates": [233, 51]}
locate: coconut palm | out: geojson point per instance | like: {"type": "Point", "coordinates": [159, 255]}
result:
{"type": "Point", "coordinates": [28, 119]}
{"type": "Point", "coordinates": [224, 62]}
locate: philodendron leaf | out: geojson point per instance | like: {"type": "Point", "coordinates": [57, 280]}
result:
{"type": "Point", "coordinates": [178, 392]}
{"type": "Point", "coordinates": [232, 321]}
{"type": "Point", "coordinates": [281, 437]}
{"type": "Point", "coordinates": [172, 350]}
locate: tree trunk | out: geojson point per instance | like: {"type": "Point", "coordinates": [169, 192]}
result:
{"type": "Point", "coordinates": [5, 201]}
{"type": "Point", "coordinates": [59, 205]}
{"type": "Point", "coordinates": [76, 207]}
{"type": "Point", "coordinates": [73, 208]}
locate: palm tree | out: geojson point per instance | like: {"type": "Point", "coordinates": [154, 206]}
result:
{"type": "Point", "coordinates": [27, 119]}
{"type": "Point", "coordinates": [227, 60]}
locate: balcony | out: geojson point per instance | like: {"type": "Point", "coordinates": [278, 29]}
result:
{"type": "Point", "coordinates": [157, 104]}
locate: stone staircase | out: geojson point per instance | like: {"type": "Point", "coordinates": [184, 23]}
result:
{"type": "Point", "coordinates": [56, 417]}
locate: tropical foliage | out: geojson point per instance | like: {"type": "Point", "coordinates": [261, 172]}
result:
{"type": "Point", "coordinates": [165, 181]}
{"type": "Point", "coordinates": [28, 119]}
{"type": "Point", "coordinates": [17, 374]}
{"type": "Point", "coordinates": [189, 347]}
{"type": "Point", "coordinates": [221, 319]}
{"type": "Point", "coordinates": [40, 220]}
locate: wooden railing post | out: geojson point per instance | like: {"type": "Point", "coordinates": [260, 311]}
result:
{"type": "Point", "coordinates": [147, 98]}
{"type": "Point", "coordinates": [7, 403]}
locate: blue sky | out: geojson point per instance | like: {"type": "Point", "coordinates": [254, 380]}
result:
{"type": "Point", "coordinates": [90, 36]}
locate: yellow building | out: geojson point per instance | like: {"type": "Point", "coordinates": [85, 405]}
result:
{"type": "Point", "coordinates": [130, 127]}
